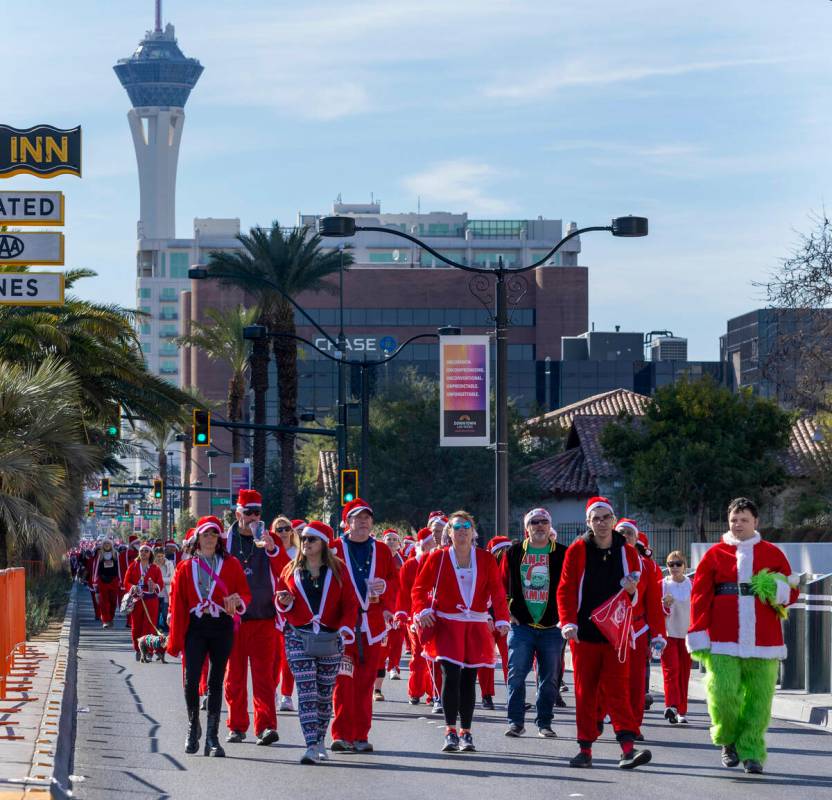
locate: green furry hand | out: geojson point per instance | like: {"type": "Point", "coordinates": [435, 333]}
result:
{"type": "Point", "coordinates": [702, 656]}
{"type": "Point", "coordinates": [764, 585]}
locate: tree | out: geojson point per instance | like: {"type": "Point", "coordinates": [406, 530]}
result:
{"type": "Point", "coordinates": [272, 265]}
{"type": "Point", "coordinates": [221, 339]}
{"type": "Point", "coordinates": [697, 446]}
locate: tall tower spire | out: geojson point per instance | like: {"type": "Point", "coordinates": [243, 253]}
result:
{"type": "Point", "coordinates": [158, 79]}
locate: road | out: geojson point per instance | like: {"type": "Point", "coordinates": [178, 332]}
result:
{"type": "Point", "coordinates": [131, 730]}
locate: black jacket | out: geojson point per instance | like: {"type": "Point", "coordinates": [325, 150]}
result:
{"type": "Point", "coordinates": [512, 563]}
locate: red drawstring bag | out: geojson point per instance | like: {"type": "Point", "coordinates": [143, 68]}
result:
{"type": "Point", "coordinates": [426, 634]}
{"type": "Point", "coordinates": [614, 618]}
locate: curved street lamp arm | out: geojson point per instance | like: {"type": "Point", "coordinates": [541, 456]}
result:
{"type": "Point", "coordinates": [560, 244]}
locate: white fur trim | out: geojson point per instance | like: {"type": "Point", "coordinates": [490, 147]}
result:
{"type": "Point", "coordinates": [747, 633]}
{"type": "Point", "coordinates": [206, 526]}
{"type": "Point", "coordinates": [698, 640]}
{"type": "Point", "coordinates": [794, 579]}
{"type": "Point", "coordinates": [347, 634]}
{"type": "Point", "coordinates": [732, 540]}
{"type": "Point", "coordinates": [310, 531]}
{"type": "Point", "coordinates": [746, 651]}
{"type": "Point", "coordinates": [501, 623]}
{"type": "Point", "coordinates": [570, 626]}
{"type": "Point", "coordinates": [284, 609]}
{"type": "Point", "coordinates": [358, 510]}
{"type": "Point", "coordinates": [274, 552]}
{"type": "Point", "coordinates": [784, 591]}
{"type": "Point", "coordinates": [626, 524]}
{"type": "Point", "coordinates": [500, 546]}
{"type": "Point", "coordinates": [599, 505]}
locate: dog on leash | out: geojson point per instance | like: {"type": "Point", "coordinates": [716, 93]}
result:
{"type": "Point", "coordinates": [152, 644]}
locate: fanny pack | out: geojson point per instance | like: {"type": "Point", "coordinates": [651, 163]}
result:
{"type": "Point", "coordinates": [317, 645]}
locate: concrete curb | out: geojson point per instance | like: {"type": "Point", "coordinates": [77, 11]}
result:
{"type": "Point", "coordinates": [62, 702]}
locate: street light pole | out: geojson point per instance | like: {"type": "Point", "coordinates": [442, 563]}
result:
{"type": "Point", "coordinates": [621, 226]}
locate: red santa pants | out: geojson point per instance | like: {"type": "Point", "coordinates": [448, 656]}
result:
{"type": "Point", "coordinates": [419, 683]}
{"type": "Point", "coordinates": [95, 608]}
{"type": "Point", "coordinates": [395, 645]}
{"type": "Point", "coordinates": [676, 663]}
{"type": "Point", "coordinates": [254, 644]}
{"type": "Point", "coordinates": [143, 618]}
{"type": "Point", "coordinates": [485, 675]}
{"type": "Point", "coordinates": [353, 698]}
{"type": "Point", "coordinates": [107, 600]}
{"type": "Point", "coordinates": [284, 679]}
{"type": "Point", "coordinates": [593, 663]}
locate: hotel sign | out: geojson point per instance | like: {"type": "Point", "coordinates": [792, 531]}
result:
{"type": "Point", "coordinates": [31, 208]}
{"type": "Point", "coordinates": [43, 151]}
{"type": "Point", "coordinates": [464, 411]}
{"type": "Point", "coordinates": [22, 249]}
{"type": "Point", "coordinates": [32, 288]}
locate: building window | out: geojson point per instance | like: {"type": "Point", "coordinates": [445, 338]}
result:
{"type": "Point", "coordinates": [168, 313]}
{"type": "Point", "coordinates": [427, 259]}
{"type": "Point", "coordinates": [145, 329]}
{"type": "Point", "coordinates": [556, 260]}
{"type": "Point", "coordinates": [145, 294]}
{"type": "Point", "coordinates": [168, 367]}
{"type": "Point", "coordinates": [496, 228]}
{"type": "Point", "coordinates": [490, 258]}
{"type": "Point", "coordinates": [179, 265]}
{"type": "Point", "coordinates": [168, 294]}
{"type": "Point", "coordinates": [146, 347]}
{"type": "Point", "coordinates": [389, 257]}
{"type": "Point", "coordinates": [145, 309]}
{"type": "Point", "coordinates": [168, 349]}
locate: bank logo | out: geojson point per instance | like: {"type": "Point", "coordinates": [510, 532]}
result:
{"type": "Point", "coordinates": [388, 344]}
{"type": "Point", "coordinates": [10, 246]}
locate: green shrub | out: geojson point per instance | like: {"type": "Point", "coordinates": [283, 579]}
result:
{"type": "Point", "coordinates": [46, 596]}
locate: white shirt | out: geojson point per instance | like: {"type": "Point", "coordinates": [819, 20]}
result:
{"type": "Point", "coordinates": [678, 621]}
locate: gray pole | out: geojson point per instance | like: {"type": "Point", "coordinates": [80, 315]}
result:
{"type": "Point", "coordinates": [501, 382]}
{"type": "Point", "coordinates": [365, 428]}
{"type": "Point", "coordinates": [341, 427]}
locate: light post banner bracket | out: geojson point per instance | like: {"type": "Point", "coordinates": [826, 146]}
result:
{"type": "Point", "coordinates": [464, 408]}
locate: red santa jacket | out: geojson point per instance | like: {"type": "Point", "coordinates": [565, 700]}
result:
{"type": "Point", "coordinates": [736, 624]}
{"type": "Point", "coordinates": [570, 588]}
{"type": "Point", "coordinates": [648, 613]}
{"type": "Point", "coordinates": [134, 577]}
{"type": "Point", "coordinates": [339, 608]}
{"type": "Point", "coordinates": [440, 571]}
{"type": "Point", "coordinates": [186, 597]}
{"type": "Point", "coordinates": [96, 563]}
{"type": "Point", "coordinates": [373, 623]}
{"type": "Point", "coordinates": [407, 577]}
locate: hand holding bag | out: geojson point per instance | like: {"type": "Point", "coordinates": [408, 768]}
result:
{"type": "Point", "coordinates": [614, 618]}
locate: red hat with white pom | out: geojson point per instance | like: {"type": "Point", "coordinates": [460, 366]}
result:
{"type": "Point", "coordinates": [424, 533]}
{"type": "Point", "coordinates": [598, 502]}
{"type": "Point", "coordinates": [208, 523]}
{"type": "Point", "coordinates": [498, 543]}
{"type": "Point", "coordinates": [352, 508]}
{"type": "Point", "coordinates": [320, 529]}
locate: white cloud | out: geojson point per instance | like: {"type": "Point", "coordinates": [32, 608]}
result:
{"type": "Point", "coordinates": [458, 185]}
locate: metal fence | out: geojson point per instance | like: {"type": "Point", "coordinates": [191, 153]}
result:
{"type": "Point", "coordinates": [12, 623]}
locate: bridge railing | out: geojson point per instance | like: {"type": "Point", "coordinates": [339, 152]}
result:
{"type": "Point", "coordinates": [12, 621]}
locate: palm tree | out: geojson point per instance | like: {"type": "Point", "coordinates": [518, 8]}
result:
{"type": "Point", "coordinates": [221, 339]}
{"type": "Point", "coordinates": [44, 455]}
{"type": "Point", "coordinates": [275, 264]}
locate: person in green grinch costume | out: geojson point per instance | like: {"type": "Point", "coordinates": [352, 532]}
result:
{"type": "Point", "coordinates": [741, 589]}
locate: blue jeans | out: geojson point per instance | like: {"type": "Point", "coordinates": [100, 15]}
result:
{"type": "Point", "coordinates": [524, 643]}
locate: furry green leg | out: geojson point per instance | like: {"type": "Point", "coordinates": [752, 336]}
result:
{"type": "Point", "coordinates": [759, 676]}
{"type": "Point", "coordinates": [723, 686]}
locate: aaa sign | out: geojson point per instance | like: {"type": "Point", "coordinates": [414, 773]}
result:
{"type": "Point", "coordinates": [32, 289]}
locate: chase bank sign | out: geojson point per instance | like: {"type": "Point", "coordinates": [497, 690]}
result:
{"type": "Point", "coordinates": [361, 344]}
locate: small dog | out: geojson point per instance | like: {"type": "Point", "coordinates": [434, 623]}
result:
{"type": "Point", "coordinates": [152, 644]}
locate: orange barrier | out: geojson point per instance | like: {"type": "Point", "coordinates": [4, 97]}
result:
{"type": "Point", "coordinates": [12, 621]}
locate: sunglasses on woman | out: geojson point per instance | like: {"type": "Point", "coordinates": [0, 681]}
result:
{"type": "Point", "coordinates": [459, 526]}
{"type": "Point", "coordinates": [309, 539]}
{"type": "Point", "coordinates": [251, 512]}
{"type": "Point", "coordinates": [539, 522]}
{"type": "Point", "coordinates": [283, 529]}
{"type": "Point", "coordinates": [675, 563]}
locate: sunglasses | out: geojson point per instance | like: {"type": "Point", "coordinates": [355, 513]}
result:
{"type": "Point", "coordinates": [251, 512]}
{"type": "Point", "coordinates": [675, 563]}
{"type": "Point", "coordinates": [310, 539]}
{"type": "Point", "coordinates": [283, 529]}
{"type": "Point", "coordinates": [459, 526]}
{"type": "Point", "coordinates": [539, 522]}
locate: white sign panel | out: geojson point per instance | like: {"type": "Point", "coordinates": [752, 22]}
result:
{"type": "Point", "coordinates": [31, 248]}
{"type": "Point", "coordinates": [32, 288]}
{"type": "Point", "coordinates": [464, 408]}
{"type": "Point", "coordinates": [31, 208]}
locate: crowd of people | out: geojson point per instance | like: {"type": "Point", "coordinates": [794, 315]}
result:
{"type": "Point", "coordinates": [292, 605]}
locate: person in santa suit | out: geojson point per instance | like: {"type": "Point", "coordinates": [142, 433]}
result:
{"type": "Point", "coordinates": [485, 675]}
{"type": "Point", "coordinates": [172, 551]}
{"type": "Point", "coordinates": [676, 661]}
{"type": "Point", "coordinates": [315, 602]}
{"type": "Point", "coordinates": [254, 645]}
{"type": "Point", "coordinates": [741, 589]}
{"type": "Point", "coordinates": [423, 680]}
{"type": "Point", "coordinates": [437, 520]}
{"type": "Point", "coordinates": [451, 598]}
{"type": "Point", "coordinates": [596, 567]}
{"type": "Point", "coordinates": [375, 582]}
{"type": "Point", "coordinates": [395, 636]}
{"type": "Point", "coordinates": [106, 576]}
{"type": "Point", "coordinates": [286, 532]}
{"type": "Point", "coordinates": [207, 592]}
{"type": "Point", "coordinates": [145, 580]}
{"type": "Point", "coordinates": [648, 624]}
{"type": "Point", "coordinates": [87, 560]}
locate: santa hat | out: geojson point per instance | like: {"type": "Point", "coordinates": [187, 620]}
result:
{"type": "Point", "coordinates": [171, 543]}
{"type": "Point", "coordinates": [298, 523]}
{"type": "Point", "coordinates": [624, 522]}
{"type": "Point", "coordinates": [249, 498]}
{"type": "Point", "coordinates": [391, 531]}
{"type": "Point", "coordinates": [190, 536]}
{"type": "Point", "coordinates": [319, 529]}
{"type": "Point", "coordinates": [207, 523]}
{"type": "Point", "coordinates": [424, 533]}
{"type": "Point", "coordinates": [408, 545]}
{"type": "Point", "coordinates": [598, 502]}
{"type": "Point", "coordinates": [354, 507]}
{"type": "Point", "coordinates": [437, 516]}
{"type": "Point", "coordinates": [133, 540]}
{"type": "Point", "coordinates": [642, 539]}
{"type": "Point", "coordinates": [498, 543]}
{"type": "Point", "coordinates": [536, 513]}
{"type": "Point", "coordinates": [145, 546]}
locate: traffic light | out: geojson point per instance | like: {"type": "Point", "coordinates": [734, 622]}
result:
{"type": "Point", "coordinates": [127, 508]}
{"type": "Point", "coordinates": [157, 489]}
{"type": "Point", "coordinates": [201, 428]}
{"type": "Point", "coordinates": [105, 487]}
{"type": "Point", "coordinates": [113, 429]}
{"type": "Point", "coordinates": [349, 485]}
{"type": "Point", "coordinates": [91, 508]}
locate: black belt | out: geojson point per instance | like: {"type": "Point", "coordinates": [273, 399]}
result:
{"type": "Point", "coordinates": [733, 588]}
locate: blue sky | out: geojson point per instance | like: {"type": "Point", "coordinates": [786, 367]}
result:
{"type": "Point", "coordinates": [711, 119]}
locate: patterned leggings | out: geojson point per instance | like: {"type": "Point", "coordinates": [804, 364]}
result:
{"type": "Point", "coordinates": [315, 679]}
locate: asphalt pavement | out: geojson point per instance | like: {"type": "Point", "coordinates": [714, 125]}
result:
{"type": "Point", "coordinates": [131, 731]}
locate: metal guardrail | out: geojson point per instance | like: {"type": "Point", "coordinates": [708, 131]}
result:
{"type": "Point", "coordinates": [12, 622]}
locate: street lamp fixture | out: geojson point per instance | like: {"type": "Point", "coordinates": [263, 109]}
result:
{"type": "Point", "coordinates": [255, 332]}
{"type": "Point", "coordinates": [449, 330]}
{"type": "Point", "coordinates": [629, 226]}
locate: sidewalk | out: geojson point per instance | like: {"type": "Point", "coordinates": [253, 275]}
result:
{"type": "Point", "coordinates": [30, 716]}
{"type": "Point", "coordinates": [791, 705]}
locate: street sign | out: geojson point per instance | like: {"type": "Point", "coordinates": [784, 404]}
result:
{"type": "Point", "coordinates": [41, 247]}
{"type": "Point", "coordinates": [31, 208]}
{"type": "Point", "coordinates": [43, 151]}
{"type": "Point", "coordinates": [32, 288]}
{"type": "Point", "coordinates": [130, 495]}
{"type": "Point", "coordinates": [220, 501]}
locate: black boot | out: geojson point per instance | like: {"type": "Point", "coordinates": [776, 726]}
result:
{"type": "Point", "coordinates": [194, 731]}
{"type": "Point", "coordinates": [212, 732]}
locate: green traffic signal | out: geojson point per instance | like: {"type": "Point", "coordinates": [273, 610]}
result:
{"type": "Point", "coordinates": [348, 497]}
{"type": "Point", "coordinates": [201, 437]}
{"type": "Point", "coordinates": [112, 431]}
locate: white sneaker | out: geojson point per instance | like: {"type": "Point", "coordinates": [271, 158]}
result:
{"type": "Point", "coordinates": [311, 755]}
{"type": "Point", "coordinates": [286, 703]}
{"type": "Point", "coordinates": [322, 753]}
{"type": "Point", "coordinates": [394, 674]}
{"type": "Point", "coordinates": [437, 707]}
{"type": "Point", "coordinates": [683, 720]}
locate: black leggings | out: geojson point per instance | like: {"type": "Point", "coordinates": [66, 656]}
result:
{"type": "Point", "coordinates": [459, 693]}
{"type": "Point", "coordinates": [214, 637]}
